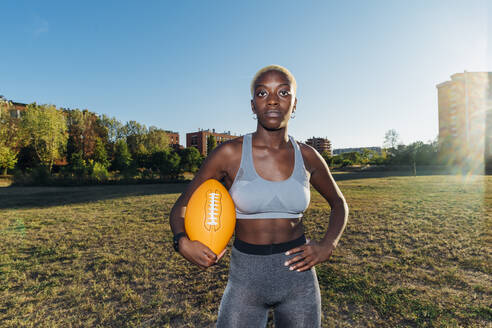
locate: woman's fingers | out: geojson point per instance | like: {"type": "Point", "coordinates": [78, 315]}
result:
{"type": "Point", "coordinates": [296, 250]}
{"type": "Point", "coordinates": [199, 254]}
{"type": "Point", "coordinates": [295, 259]}
{"type": "Point", "coordinates": [211, 255]}
{"type": "Point", "coordinates": [306, 266]}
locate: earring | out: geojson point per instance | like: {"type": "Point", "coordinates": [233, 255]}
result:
{"type": "Point", "coordinates": [254, 116]}
{"type": "Point", "coordinates": [293, 115]}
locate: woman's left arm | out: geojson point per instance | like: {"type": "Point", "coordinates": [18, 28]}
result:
{"type": "Point", "coordinates": [321, 179]}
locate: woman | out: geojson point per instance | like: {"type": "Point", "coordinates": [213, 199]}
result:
{"type": "Point", "coordinates": [268, 174]}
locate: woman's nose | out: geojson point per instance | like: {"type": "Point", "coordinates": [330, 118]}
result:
{"type": "Point", "coordinates": [272, 99]}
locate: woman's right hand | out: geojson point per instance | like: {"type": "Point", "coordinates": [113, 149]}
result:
{"type": "Point", "coordinates": [198, 253]}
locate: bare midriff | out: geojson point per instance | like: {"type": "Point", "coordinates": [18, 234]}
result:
{"type": "Point", "coordinates": [268, 231]}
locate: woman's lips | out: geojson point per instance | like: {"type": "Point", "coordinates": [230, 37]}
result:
{"type": "Point", "coordinates": [273, 113]}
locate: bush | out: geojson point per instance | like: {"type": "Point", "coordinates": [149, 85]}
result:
{"type": "Point", "coordinates": [40, 175]}
{"type": "Point", "coordinates": [346, 162]}
{"type": "Point", "coordinates": [336, 160]}
{"type": "Point", "coordinates": [99, 172]}
{"type": "Point", "coordinates": [146, 174]}
{"type": "Point", "coordinates": [379, 160]}
{"type": "Point", "coordinates": [21, 178]}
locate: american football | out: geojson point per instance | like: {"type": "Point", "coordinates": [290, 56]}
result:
{"type": "Point", "coordinates": [210, 215]}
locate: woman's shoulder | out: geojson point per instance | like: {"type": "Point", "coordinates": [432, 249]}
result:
{"type": "Point", "coordinates": [230, 147]}
{"type": "Point", "coordinates": [227, 151]}
{"type": "Point", "coordinates": [306, 150]}
{"type": "Point", "coordinates": [310, 156]}
{"type": "Point", "coordinates": [221, 161]}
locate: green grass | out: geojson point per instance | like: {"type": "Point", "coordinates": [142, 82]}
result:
{"type": "Point", "coordinates": [416, 253]}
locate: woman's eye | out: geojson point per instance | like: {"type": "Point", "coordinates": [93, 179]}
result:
{"type": "Point", "coordinates": [284, 93]}
{"type": "Point", "coordinates": [261, 93]}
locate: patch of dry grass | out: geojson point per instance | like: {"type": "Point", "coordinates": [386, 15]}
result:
{"type": "Point", "coordinates": [5, 182]}
{"type": "Point", "coordinates": [416, 253]}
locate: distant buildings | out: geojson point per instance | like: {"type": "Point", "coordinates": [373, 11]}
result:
{"type": "Point", "coordinates": [199, 139]}
{"type": "Point", "coordinates": [14, 108]}
{"type": "Point", "coordinates": [173, 139]}
{"type": "Point", "coordinates": [358, 150]}
{"type": "Point", "coordinates": [320, 144]}
{"type": "Point", "coordinates": [465, 120]}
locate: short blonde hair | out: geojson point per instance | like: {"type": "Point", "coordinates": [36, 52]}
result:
{"type": "Point", "coordinates": [278, 68]}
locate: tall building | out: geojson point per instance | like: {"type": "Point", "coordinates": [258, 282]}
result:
{"type": "Point", "coordinates": [320, 144]}
{"type": "Point", "coordinates": [464, 103]}
{"type": "Point", "coordinates": [199, 139]}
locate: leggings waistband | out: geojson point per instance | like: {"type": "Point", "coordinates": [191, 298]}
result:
{"type": "Point", "coordinates": [269, 249]}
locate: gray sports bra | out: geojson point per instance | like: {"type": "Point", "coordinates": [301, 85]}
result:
{"type": "Point", "coordinates": [257, 198]}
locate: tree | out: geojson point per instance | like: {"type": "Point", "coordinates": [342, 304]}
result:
{"type": "Point", "coordinates": [114, 128]}
{"type": "Point", "coordinates": [84, 128]}
{"type": "Point", "coordinates": [45, 129]}
{"type": "Point", "coordinates": [27, 158]}
{"type": "Point", "coordinates": [190, 159]}
{"type": "Point", "coordinates": [352, 157]}
{"type": "Point", "coordinates": [113, 132]}
{"type": "Point", "coordinates": [211, 143]}
{"type": "Point", "coordinates": [122, 157]}
{"type": "Point", "coordinates": [78, 164]}
{"type": "Point", "coordinates": [337, 160]}
{"type": "Point", "coordinates": [167, 162]}
{"type": "Point", "coordinates": [135, 135]}
{"type": "Point", "coordinates": [100, 155]}
{"type": "Point", "coordinates": [391, 139]}
{"type": "Point", "coordinates": [9, 137]}
{"type": "Point", "coordinates": [8, 158]}
{"type": "Point", "coordinates": [156, 140]}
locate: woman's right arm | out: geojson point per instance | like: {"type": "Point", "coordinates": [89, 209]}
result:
{"type": "Point", "coordinates": [215, 166]}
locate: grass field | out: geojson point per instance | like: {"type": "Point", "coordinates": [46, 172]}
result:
{"type": "Point", "coordinates": [416, 253]}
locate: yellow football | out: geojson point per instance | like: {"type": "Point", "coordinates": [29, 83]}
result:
{"type": "Point", "coordinates": [210, 215]}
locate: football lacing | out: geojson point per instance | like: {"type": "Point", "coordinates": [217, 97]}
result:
{"type": "Point", "coordinates": [213, 209]}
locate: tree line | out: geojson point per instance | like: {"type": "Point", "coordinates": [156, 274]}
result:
{"type": "Point", "coordinates": [393, 153]}
{"type": "Point", "coordinates": [78, 143]}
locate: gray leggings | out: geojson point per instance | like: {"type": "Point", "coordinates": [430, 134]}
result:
{"type": "Point", "coordinates": [260, 282]}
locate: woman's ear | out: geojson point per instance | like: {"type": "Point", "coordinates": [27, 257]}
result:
{"type": "Point", "coordinates": [253, 107]}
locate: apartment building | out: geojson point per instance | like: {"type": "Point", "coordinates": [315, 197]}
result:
{"type": "Point", "coordinates": [14, 108]}
{"type": "Point", "coordinates": [173, 139]}
{"type": "Point", "coordinates": [320, 144]}
{"type": "Point", "coordinates": [198, 139]}
{"type": "Point", "coordinates": [464, 104]}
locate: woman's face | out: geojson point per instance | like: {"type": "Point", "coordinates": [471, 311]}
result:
{"type": "Point", "coordinates": [273, 100]}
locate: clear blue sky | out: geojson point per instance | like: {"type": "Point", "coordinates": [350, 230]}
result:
{"type": "Point", "coordinates": [362, 67]}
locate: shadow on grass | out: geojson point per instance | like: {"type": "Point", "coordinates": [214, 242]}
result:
{"type": "Point", "coordinates": [30, 197]}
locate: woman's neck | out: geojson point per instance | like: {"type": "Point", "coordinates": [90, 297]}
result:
{"type": "Point", "coordinates": [271, 139]}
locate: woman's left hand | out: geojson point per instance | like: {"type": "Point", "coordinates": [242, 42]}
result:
{"type": "Point", "coordinates": [308, 255]}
